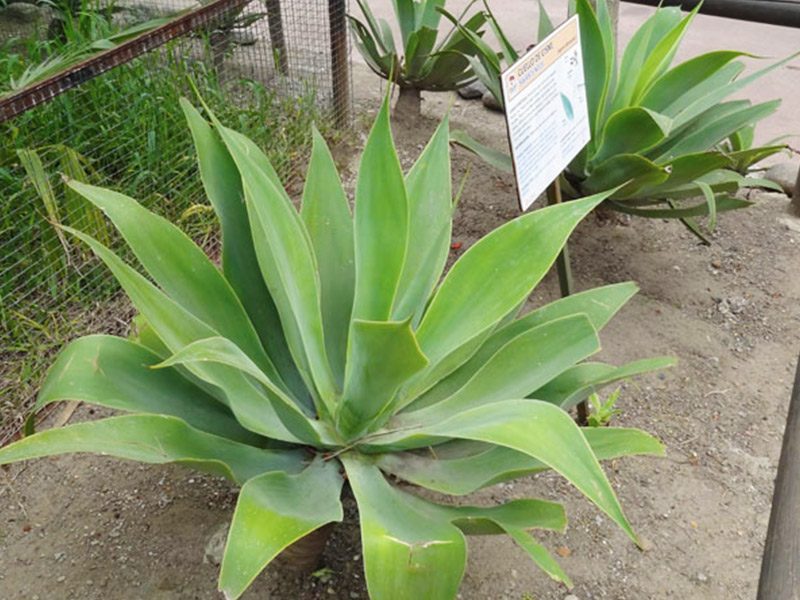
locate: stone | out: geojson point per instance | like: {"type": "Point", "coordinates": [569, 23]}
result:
{"type": "Point", "coordinates": [791, 223]}
{"type": "Point", "coordinates": [473, 91]}
{"type": "Point", "coordinates": [215, 547]}
{"type": "Point", "coordinates": [490, 102]}
{"type": "Point", "coordinates": [21, 12]}
{"type": "Point", "coordinates": [243, 37]}
{"type": "Point", "coordinates": [784, 174]}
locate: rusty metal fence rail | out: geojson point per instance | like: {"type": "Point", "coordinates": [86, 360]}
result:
{"type": "Point", "coordinates": [267, 67]}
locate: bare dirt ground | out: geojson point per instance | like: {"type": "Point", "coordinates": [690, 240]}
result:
{"type": "Point", "coordinates": [87, 527]}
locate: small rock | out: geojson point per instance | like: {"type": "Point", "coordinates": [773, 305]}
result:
{"type": "Point", "coordinates": [473, 91]}
{"type": "Point", "coordinates": [784, 174]}
{"type": "Point", "coordinates": [215, 547]}
{"type": "Point", "coordinates": [737, 304]}
{"type": "Point", "coordinates": [702, 578]}
{"type": "Point", "coordinates": [716, 264]}
{"type": "Point", "coordinates": [791, 223]}
{"type": "Point", "coordinates": [563, 551]}
{"type": "Point", "coordinates": [571, 597]}
{"type": "Point", "coordinates": [490, 102]}
{"type": "Point", "coordinates": [645, 545]}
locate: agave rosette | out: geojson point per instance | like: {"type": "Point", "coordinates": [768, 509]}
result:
{"type": "Point", "coordinates": [328, 350]}
{"type": "Point", "coordinates": [663, 134]}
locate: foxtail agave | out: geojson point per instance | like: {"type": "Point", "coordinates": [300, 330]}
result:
{"type": "Point", "coordinates": [417, 62]}
{"type": "Point", "coordinates": [326, 352]}
{"type": "Point", "coordinates": [665, 134]}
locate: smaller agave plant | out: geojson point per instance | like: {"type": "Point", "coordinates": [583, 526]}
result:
{"type": "Point", "coordinates": [326, 353]}
{"type": "Point", "coordinates": [418, 63]}
{"type": "Point", "coordinates": [663, 134]}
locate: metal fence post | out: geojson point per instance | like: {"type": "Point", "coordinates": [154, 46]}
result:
{"type": "Point", "coordinates": [780, 565]}
{"type": "Point", "coordinates": [340, 63]}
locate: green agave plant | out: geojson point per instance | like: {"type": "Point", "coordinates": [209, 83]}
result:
{"type": "Point", "coordinates": [418, 63]}
{"type": "Point", "coordinates": [324, 354]}
{"type": "Point", "coordinates": [665, 134]}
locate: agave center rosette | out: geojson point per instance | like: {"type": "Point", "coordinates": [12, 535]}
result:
{"type": "Point", "coordinates": [329, 349]}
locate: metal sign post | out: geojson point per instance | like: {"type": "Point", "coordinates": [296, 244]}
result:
{"type": "Point", "coordinates": [547, 118]}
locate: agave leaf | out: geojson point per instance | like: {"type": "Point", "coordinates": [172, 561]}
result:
{"type": "Point", "coordinates": [529, 513]}
{"type": "Point", "coordinates": [596, 65]}
{"type": "Point", "coordinates": [577, 383]}
{"type": "Point", "coordinates": [275, 510]}
{"type": "Point", "coordinates": [545, 27]}
{"type": "Point", "coordinates": [630, 131]}
{"type": "Point", "coordinates": [682, 79]}
{"type": "Point", "coordinates": [381, 357]}
{"type": "Point", "coordinates": [720, 180]}
{"type": "Point", "coordinates": [617, 170]}
{"type": "Point", "coordinates": [426, 13]}
{"type": "Point", "coordinates": [477, 465]}
{"type": "Point", "coordinates": [326, 215]}
{"type": "Point", "coordinates": [381, 223]}
{"type": "Point", "coordinates": [714, 132]}
{"type": "Point", "coordinates": [444, 367]}
{"type": "Point", "coordinates": [464, 307]}
{"type": "Point", "coordinates": [430, 200]}
{"type": "Point", "coordinates": [408, 552]}
{"type": "Point", "coordinates": [386, 44]}
{"type": "Point", "coordinates": [539, 555]}
{"type": "Point", "coordinates": [499, 160]}
{"type": "Point", "coordinates": [538, 429]}
{"type": "Point", "coordinates": [598, 304]}
{"type": "Point", "coordinates": [116, 373]}
{"type": "Point", "coordinates": [405, 11]}
{"type": "Point", "coordinates": [485, 70]}
{"type": "Point", "coordinates": [418, 52]}
{"type": "Point", "coordinates": [223, 187]}
{"type": "Point", "coordinates": [287, 261]}
{"type": "Point", "coordinates": [712, 115]}
{"type": "Point", "coordinates": [381, 63]}
{"type": "Point", "coordinates": [155, 439]}
{"type": "Point", "coordinates": [660, 56]}
{"type": "Point", "coordinates": [711, 203]}
{"type": "Point", "coordinates": [743, 138]}
{"type": "Point", "coordinates": [687, 168]}
{"type": "Point", "coordinates": [659, 24]}
{"type": "Point", "coordinates": [716, 94]}
{"type": "Point", "coordinates": [219, 350]}
{"type": "Point", "coordinates": [177, 328]}
{"type": "Point", "coordinates": [514, 518]}
{"type": "Point", "coordinates": [181, 269]}
{"type": "Point", "coordinates": [721, 204]}
{"type": "Point", "coordinates": [525, 363]}
{"type": "Point", "coordinates": [745, 158]}
{"type": "Point", "coordinates": [509, 52]}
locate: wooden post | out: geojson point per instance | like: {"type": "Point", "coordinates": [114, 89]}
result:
{"type": "Point", "coordinates": [780, 565]}
{"type": "Point", "coordinates": [796, 195]}
{"type": "Point", "coordinates": [564, 271]}
{"type": "Point", "coordinates": [340, 61]}
{"type": "Point", "coordinates": [276, 37]}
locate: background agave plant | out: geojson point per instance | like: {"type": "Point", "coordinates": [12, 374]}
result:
{"type": "Point", "coordinates": [324, 354]}
{"type": "Point", "coordinates": [418, 63]}
{"type": "Point", "coordinates": [665, 134]}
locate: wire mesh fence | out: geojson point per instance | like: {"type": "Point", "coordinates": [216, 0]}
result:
{"type": "Point", "coordinates": [268, 68]}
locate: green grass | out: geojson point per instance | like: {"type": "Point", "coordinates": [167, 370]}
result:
{"type": "Point", "coordinates": [123, 130]}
